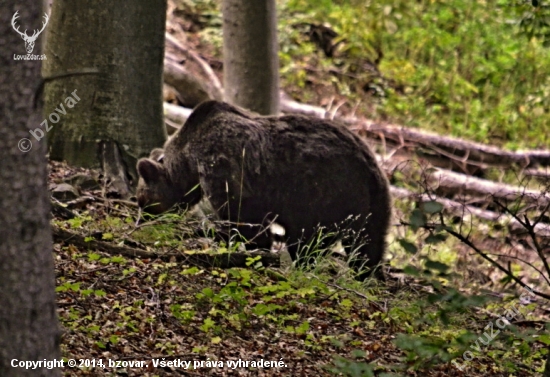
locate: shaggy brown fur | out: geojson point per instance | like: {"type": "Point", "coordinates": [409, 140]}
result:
{"type": "Point", "coordinates": [306, 173]}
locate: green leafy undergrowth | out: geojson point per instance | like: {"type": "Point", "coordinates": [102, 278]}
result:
{"type": "Point", "coordinates": [123, 307]}
{"type": "Point", "coordinates": [479, 70]}
{"type": "Point", "coordinates": [474, 69]}
{"type": "Point", "coordinates": [319, 321]}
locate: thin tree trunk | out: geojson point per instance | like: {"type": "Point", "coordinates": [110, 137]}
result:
{"type": "Point", "coordinates": [28, 320]}
{"type": "Point", "coordinates": [250, 60]}
{"type": "Point", "coordinates": [111, 53]}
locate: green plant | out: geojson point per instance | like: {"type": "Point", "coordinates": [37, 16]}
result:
{"type": "Point", "coordinates": [463, 67]}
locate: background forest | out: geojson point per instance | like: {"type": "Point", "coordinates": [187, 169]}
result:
{"type": "Point", "coordinates": [474, 69]}
{"type": "Point", "coordinates": [468, 277]}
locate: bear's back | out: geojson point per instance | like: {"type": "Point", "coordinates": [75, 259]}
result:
{"type": "Point", "coordinates": [304, 172]}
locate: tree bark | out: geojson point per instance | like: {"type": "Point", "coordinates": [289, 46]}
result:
{"type": "Point", "coordinates": [29, 328]}
{"type": "Point", "coordinates": [111, 53]}
{"type": "Point", "coordinates": [250, 60]}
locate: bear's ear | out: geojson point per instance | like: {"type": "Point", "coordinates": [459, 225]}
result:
{"type": "Point", "coordinates": [149, 170]}
{"type": "Point", "coordinates": [157, 154]}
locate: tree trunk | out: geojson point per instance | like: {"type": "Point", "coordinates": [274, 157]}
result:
{"type": "Point", "coordinates": [250, 60]}
{"type": "Point", "coordinates": [111, 54]}
{"type": "Point", "coordinates": [28, 320]}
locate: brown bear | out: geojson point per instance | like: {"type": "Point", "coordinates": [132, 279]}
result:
{"type": "Point", "coordinates": [307, 174]}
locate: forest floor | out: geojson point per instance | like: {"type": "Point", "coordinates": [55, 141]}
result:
{"type": "Point", "coordinates": [155, 309]}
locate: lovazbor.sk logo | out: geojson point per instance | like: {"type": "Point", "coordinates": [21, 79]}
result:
{"type": "Point", "coordinates": [29, 39]}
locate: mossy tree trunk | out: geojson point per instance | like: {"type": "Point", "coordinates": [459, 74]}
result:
{"type": "Point", "coordinates": [250, 60]}
{"type": "Point", "coordinates": [28, 319]}
{"type": "Point", "coordinates": [111, 53]}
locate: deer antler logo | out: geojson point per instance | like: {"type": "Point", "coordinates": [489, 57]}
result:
{"type": "Point", "coordinates": [29, 40]}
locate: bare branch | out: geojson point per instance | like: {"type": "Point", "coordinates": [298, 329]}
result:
{"type": "Point", "coordinates": [531, 231]}
{"type": "Point", "coordinates": [471, 245]}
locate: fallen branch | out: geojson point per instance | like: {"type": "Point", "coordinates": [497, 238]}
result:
{"type": "Point", "coordinates": [541, 175]}
{"type": "Point", "coordinates": [459, 150]}
{"type": "Point", "coordinates": [226, 260]}
{"type": "Point", "coordinates": [176, 114]}
{"type": "Point", "coordinates": [290, 106]}
{"type": "Point", "coordinates": [447, 180]}
{"type": "Point", "coordinates": [460, 209]}
{"type": "Point", "coordinates": [171, 127]}
{"type": "Point", "coordinates": [213, 83]}
{"type": "Point", "coordinates": [190, 89]}
{"type": "Point", "coordinates": [509, 273]}
{"type": "Point", "coordinates": [455, 183]}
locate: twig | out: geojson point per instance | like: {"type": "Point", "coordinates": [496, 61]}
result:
{"type": "Point", "coordinates": [525, 262]}
{"type": "Point", "coordinates": [470, 244]}
{"type": "Point", "coordinates": [225, 260]}
{"type": "Point", "coordinates": [349, 290]}
{"type": "Point", "coordinates": [531, 231]}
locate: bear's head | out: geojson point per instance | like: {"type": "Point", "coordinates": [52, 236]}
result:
{"type": "Point", "coordinates": [155, 191]}
{"type": "Point", "coordinates": [165, 181]}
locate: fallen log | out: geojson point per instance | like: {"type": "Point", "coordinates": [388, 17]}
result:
{"type": "Point", "coordinates": [290, 106]}
{"type": "Point", "coordinates": [460, 209]}
{"type": "Point", "coordinates": [212, 82]}
{"type": "Point", "coordinates": [449, 182]}
{"type": "Point", "coordinates": [190, 90]}
{"type": "Point", "coordinates": [175, 116]}
{"type": "Point", "coordinates": [225, 260]}
{"type": "Point", "coordinates": [542, 176]}
{"type": "Point", "coordinates": [459, 150]}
